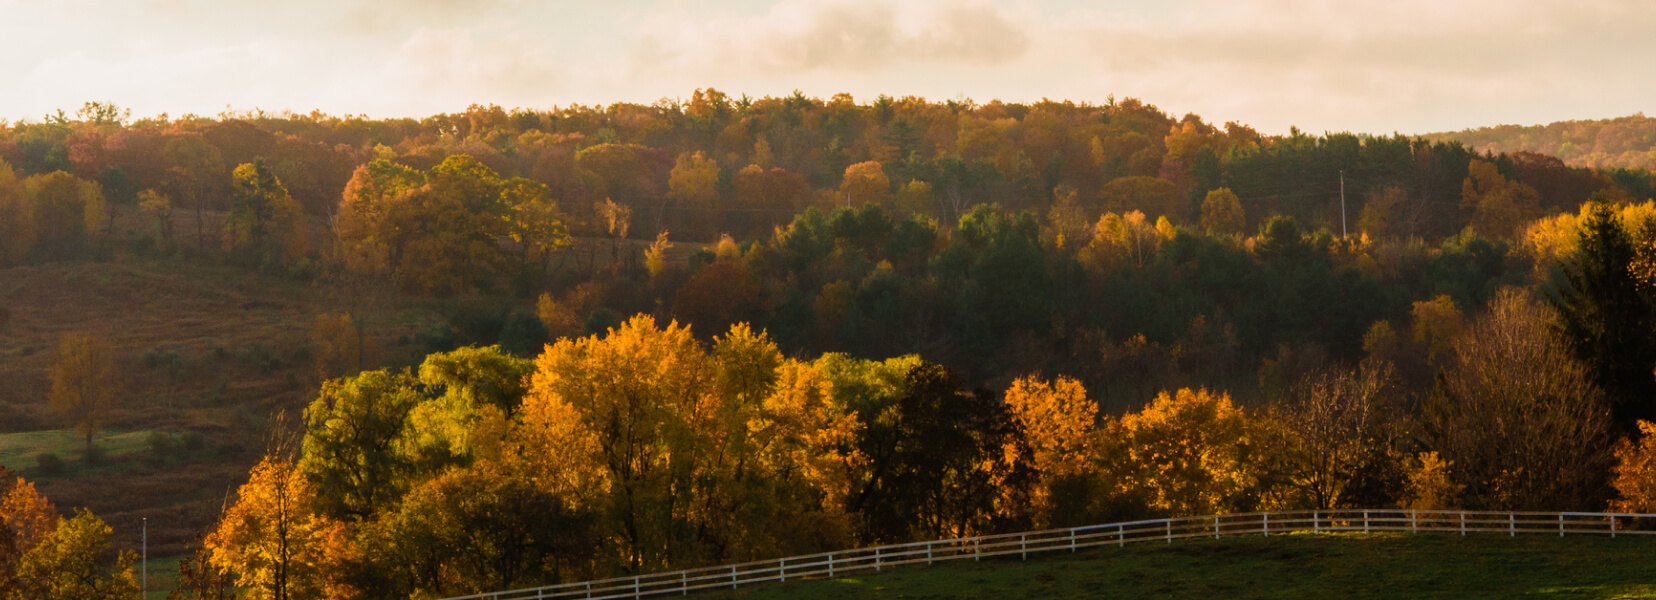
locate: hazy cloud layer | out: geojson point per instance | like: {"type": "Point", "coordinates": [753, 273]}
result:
{"type": "Point", "coordinates": [1404, 65]}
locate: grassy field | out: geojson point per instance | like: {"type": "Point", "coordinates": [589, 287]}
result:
{"type": "Point", "coordinates": [21, 449]}
{"type": "Point", "coordinates": [1297, 566]}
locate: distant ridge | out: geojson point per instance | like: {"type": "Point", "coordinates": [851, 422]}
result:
{"type": "Point", "coordinates": [1627, 142]}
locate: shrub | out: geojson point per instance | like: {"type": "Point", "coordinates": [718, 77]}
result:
{"type": "Point", "coordinates": [49, 463]}
{"type": "Point", "coordinates": [160, 442]}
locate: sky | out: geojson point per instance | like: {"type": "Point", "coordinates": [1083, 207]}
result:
{"type": "Point", "coordinates": [1408, 66]}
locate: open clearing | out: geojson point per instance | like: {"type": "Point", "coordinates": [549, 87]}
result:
{"type": "Point", "coordinates": [1292, 566]}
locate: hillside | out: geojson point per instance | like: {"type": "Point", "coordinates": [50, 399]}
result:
{"type": "Point", "coordinates": [1624, 142]}
{"type": "Point", "coordinates": [1298, 566]}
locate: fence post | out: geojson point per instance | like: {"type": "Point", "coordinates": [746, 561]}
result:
{"type": "Point", "coordinates": [1316, 521]}
{"type": "Point", "coordinates": [1612, 527]}
{"type": "Point", "coordinates": [876, 559]}
{"type": "Point", "coordinates": [1216, 527]}
{"type": "Point", "coordinates": [1169, 524]}
{"type": "Point", "coordinates": [1121, 536]}
{"type": "Point", "coordinates": [635, 587]}
{"type": "Point", "coordinates": [1560, 524]}
{"type": "Point", "coordinates": [1414, 521]}
{"type": "Point", "coordinates": [1463, 523]}
{"type": "Point", "coordinates": [589, 589]}
{"type": "Point", "coordinates": [1265, 526]}
{"type": "Point", "coordinates": [783, 566]}
{"type": "Point", "coordinates": [733, 577]}
{"type": "Point", "coordinates": [1512, 524]}
{"type": "Point", "coordinates": [1365, 522]}
{"type": "Point", "coordinates": [684, 583]}
{"type": "Point", "coordinates": [928, 553]}
{"type": "Point", "coordinates": [1072, 539]}
{"type": "Point", "coordinates": [977, 549]}
{"type": "Point", "coordinates": [1023, 546]}
{"type": "Point", "coordinates": [830, 565]}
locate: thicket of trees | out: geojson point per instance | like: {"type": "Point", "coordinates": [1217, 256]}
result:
{"type": "Point", "coordinates": [898, 320]}
{"type": "Point", "coordinates": [1623, 142]}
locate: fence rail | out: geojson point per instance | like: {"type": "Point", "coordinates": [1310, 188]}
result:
{"type": "Point", "coordinates": [880, 558]}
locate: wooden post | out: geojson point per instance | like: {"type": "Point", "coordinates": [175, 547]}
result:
{"type": "Point", "coordinates": [1266, 525]}
{"type": "Point", "coordinates": [876, 559]}
{"type": "Point", "coordinates": [1463, 523]}
{"type": "Point", "coordinates": [733, 577]}
{"type": "Point", "coordinates": [1365, 522]}
{"type": "Point", "coordinates": [1072, 539]}
{"type": "Point", "coordinates": [1612, 527]}
{"type": "Point", "coordinates": [1316, 522]}
{"type": "Point", "coordinates": [783, 567]}
{"type": "Point", "coordinates": [1414, 521]}
{"type": "Point", "coordinates": [1121, 536]}
{"type": "Point", "coordinates": [684, 583]}
{"type": "Point", "coordinates": [1512, 524]}
{"type": "Point", "coordinates": [635, 587]}
{"type": "Point", "coordinates": [1169, 524]}
{"type": "Point", "coordinates": [1560, 524]}
{"type": "Point", "coordinates": [1216, 527]}
{"type": "Point", "coordinates": [1023, 546]}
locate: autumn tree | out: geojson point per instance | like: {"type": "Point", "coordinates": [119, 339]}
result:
{"type": "Point", "coordinates": [17, 218]}
{"type": "Point", "coordinates": [1222, 213]}
{"type": "Point", "coordinates": [352, 440]}
{"type": "Point", "coordinates": [1635, 478]}
{"type": "Point", "coordinates": [69, 564]}
{"type": "Point", "coordinates": [272, 537]}
{"type": "Point", "coordinates": [196, 165]}
{"type": "Point", "coordinates": [1187, 453]}
{"type": "Point", "coordinates": [865, 183]}
{"type": "Point", "coordinates": [158, 206]}
{"type": "Point", "coordinates": [1154, 197]}
{"type": "Point", "coordinates": [693, 183]}
{"type": "Point", "coordinates": [1058, 425]}
{"type": "Point", "coordinates": [637, 391]}
{"type": "Point", "coordinates": [69, 214]}
{"type": "Point", "coordinates": [83, 382]}
{"type": "Point", "coordinates": [1523, 422]}
{"type": "Point", "coordinates": [26, 518]}
{"type": "Point", "coordinates": [537, 226]}
{"type": "Point", "coordinates": [1343, 423]}
{"type": "Point", "coordinates": [265, 224]}
{"type": "Point", "coordinates": [1499, 206]}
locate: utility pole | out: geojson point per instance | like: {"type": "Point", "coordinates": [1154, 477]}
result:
{"type": "Point", "coordinates": [1342, 205]}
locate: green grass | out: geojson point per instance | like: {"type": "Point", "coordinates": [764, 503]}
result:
{"type": "Point", "coordinates": [18, 450]}
{"type": "Point", "coordinates": [163, 576]}
{"type": "Point", "coordinates": [1296, 566]}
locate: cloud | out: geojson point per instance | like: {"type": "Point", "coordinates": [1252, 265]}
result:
{"type": "Point", "coordinates": [847, 37]}
{"type": "Point", "coordinates": [447, 69]}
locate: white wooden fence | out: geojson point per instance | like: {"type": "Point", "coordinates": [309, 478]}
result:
{"type": "Point", "coordinates": [880, 558]}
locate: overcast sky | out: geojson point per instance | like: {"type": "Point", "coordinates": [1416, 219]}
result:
{"type": "Point", "coordinates": [1410, 66]}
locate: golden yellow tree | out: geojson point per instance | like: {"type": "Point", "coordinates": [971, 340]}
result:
{"type": "Point", "coordinates": [1437, 322]}
{"type": "Point", "coordinates": [83, 382]}
{"type": "Point", "coordinates": [1186, 453]}
{"type": "Point", "coordinates": [271, 538]}
{"type": "Point", "coordinates": [634, 397]}
{"type": "Point", "coordinates": [69, 564]}
{"type": "Point", "coordinates": [1222, 213]}
{"type": "Point", "coordinates": [1636, 471]}
{"type": "Point", "coordinates": [17, 219]}
{"type": "Point", "coordinates": [1057, 420]}
{"type": "Point", "coordinates": [865, 183]}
